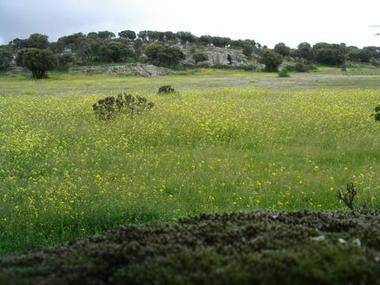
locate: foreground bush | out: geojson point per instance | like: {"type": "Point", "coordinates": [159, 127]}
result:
{"type": "Point", "coordinates": [256, 248]}
{"type": "Point", "coordinates": [106, 109]}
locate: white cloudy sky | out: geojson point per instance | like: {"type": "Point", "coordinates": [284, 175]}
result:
{"type": "Point", "coordinates": [266, 21]}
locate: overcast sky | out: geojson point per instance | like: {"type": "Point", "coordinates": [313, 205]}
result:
{"type": "Point", "coordinates": [266, 21]}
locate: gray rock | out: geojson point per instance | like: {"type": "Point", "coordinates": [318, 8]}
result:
{"type": "Point", "coordinates": [139, 69]}
{"type": "Point", "coordinates": [342, 241]}
{"type": "Point", "coordinates": [319, 238]}
{"type": "Point", "coordinates": [357, 242]}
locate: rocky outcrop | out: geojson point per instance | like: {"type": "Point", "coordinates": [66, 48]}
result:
{"type": "Point", "coordinates": [218, 56]}
{"type": "Point", "coordinates": [139, 69]}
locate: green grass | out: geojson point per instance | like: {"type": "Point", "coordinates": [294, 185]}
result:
{"type": "Point", "coordinates": [231, 141]}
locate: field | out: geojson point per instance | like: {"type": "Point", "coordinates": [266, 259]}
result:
{"type": "Point", "coordinates": [228, 141]}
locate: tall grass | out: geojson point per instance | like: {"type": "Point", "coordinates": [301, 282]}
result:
{"type": "Point", "coordinates": [65, 174]}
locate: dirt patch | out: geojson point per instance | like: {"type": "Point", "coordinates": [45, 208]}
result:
{"type": "Point", "coordinates": [255, 248]}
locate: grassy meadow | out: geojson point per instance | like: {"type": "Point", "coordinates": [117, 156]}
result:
{"type": "Point", "coordinates": [228, 141]}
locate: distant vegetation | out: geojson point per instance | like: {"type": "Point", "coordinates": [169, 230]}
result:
{"type": "Point", "coordinates": [167, 49]}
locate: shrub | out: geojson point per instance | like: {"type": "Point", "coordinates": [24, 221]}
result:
{"type": "Point", "coordinates": [64, 61]}
{"type": "Point", "coordinates": [305, 51]}
{"type": "Point", "coordinates": [206, 40]}
{"type": "Point", "coordinates": [301, 67]}
{"type": "Point", "coordinates": [377, 113]}
{"type": "Point", "coordinates": [221, 41]}
{"type": "Point", "coordinates": [38, 61]}
{"type": "Point", "coordinates": [282, 49]}
{"type": "Point", "coordinates": [106, 109]}
{"type": "Point", "coordinates": [106, 35]}
{"type": "Point", "coordinates": [330, 54]}
{"type": "Point", "coordinates": [348, 196]}
{"type": "Point", "coordinates": [186, 37]}
{"type": "Point", "coordinates": [248, 50]}
{"type": "Point", "coordinates": [6, 57]}
{"type": "Point", "coordinates": [166, 89]}
{"type": "Point", "coordinates": [375, 62]}
{"type": "Point", "coordinates": [284, 72]}
{"type": "Point", "coordinates": [36, 41]}
{"type": "Point", "coordinates": [130, 35]}
{"type": "Point", "coordinates": [365, 54]}
{"type": "Point", "coordinates": [199, 57]}
{"type": "Point", "coordinates": [271, 59]}
{"type": "Point", "coordinates": [250, 67]}
{"type": "Point", "coordinates": [164, 55]}
{"type": "Point", "coordinates": [17, 43]}
{"type": "Point", "coordinates": [113, 51]}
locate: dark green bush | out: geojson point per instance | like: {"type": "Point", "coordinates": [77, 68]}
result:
{"type": "Point", "coordinates": [221, 41]}
{"type": "Point", "coordinates": [186, 37]}
{"type": "Point", "coordinates": [131, 35]}
{"type": "Point", "coordinates": [284, 72]}
{"type": "Point", "coordinates": [113, 51]}
{"type": "Point", "coordinates": [36, 41]}
{"type": "Point", "coordinates": [166, 89]}
{"type": "Point", "coordinates": [271, 59]}
{"type": "Point", "coordinates": [6, 57]}
{"type": "Point", "coordinates": [282, 49]}
{"type": "Point", "coordinates": [301, 67]}
{"type": "Point", "coordinates": [205, 39]}
{"type": "Point", "coordinates": [164, 55]}
{"type": "Point", "coordinates": [330, 54]}
{"type": "Point", "coordinates": [38, 61]}
{"type": "Point", "coordinates": [108, 108]}
{"type": "Point", "coordinates": [305, 51]}
{"type": "Point", "coordinates": [377, 113]}
{"type": "Point", "coordinates": [365, 54]}
{"type": "Point", "coordinates": [199, 57]}
{"type": "Point", "coordinates": [106, 35]}
{"type": "Point", "coordinates": [64, 61]}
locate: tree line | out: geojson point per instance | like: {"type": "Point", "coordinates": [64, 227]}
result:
{"type": "Point", "coordinates": [162, 49]}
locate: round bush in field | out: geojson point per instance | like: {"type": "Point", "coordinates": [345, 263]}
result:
{"type": "Point", "coordinates": [107, 108]}
{"type": "Point", "coordinates": [38, 61]}
{"type": "Point", "coordinates": [284, 73]}
{"type": "Point", "coordinates": [166, 89]}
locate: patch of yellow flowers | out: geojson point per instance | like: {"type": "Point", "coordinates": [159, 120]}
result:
{"type": "Point", "coordinates": [215, 151]}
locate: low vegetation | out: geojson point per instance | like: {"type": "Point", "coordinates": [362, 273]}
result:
{"type": "Point", "coordinates": [166, 89]}
{"type": "Point", "coordinates": [284, 72]}
{"type": "Point", "coordinates": [253, 248]}
{"type": "Point", "coordinates": [108, 108]}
